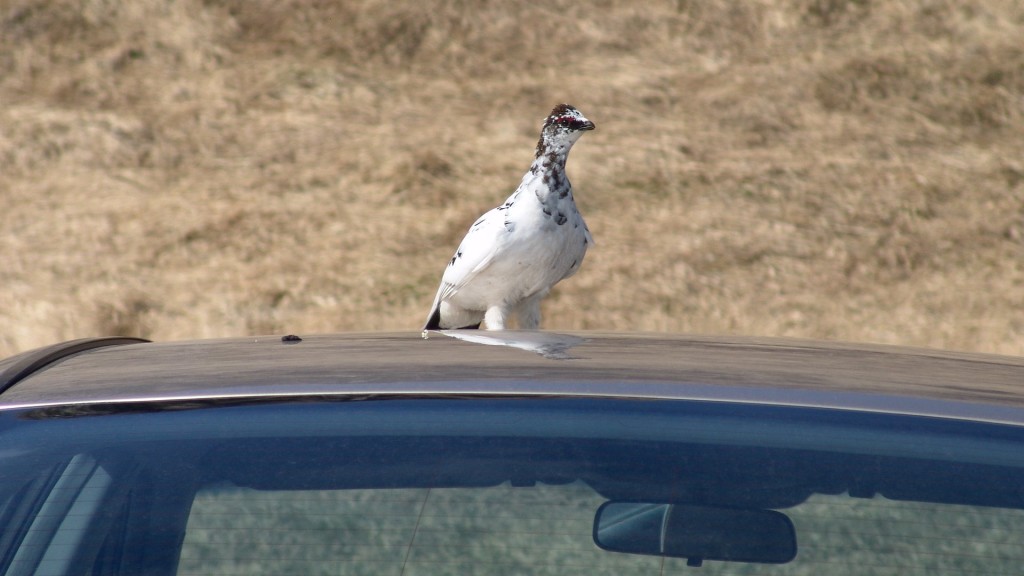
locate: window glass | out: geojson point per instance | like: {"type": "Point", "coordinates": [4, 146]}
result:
{"type": "Point", "coordinates": [541, 529]}
{"type": "Point", "coordinates": [492, 486]}
{"type": "Point", "coordinates": [546, 529]}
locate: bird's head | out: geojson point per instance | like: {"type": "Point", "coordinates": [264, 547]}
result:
{"type": "Point", "coordinates": [566, 118]}
{"type": "Point", "coordinates": [562, 128]}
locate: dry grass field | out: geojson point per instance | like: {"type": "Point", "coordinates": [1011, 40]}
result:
{"type": "Point", "coordinates": [843, 169]}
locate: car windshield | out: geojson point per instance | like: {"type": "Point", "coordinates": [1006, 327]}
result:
{"type": "Point", "coordinates": [493, 486]}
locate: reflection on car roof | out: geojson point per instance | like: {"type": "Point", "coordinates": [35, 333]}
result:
{"type": "Point", "coordinates": [778, 371]}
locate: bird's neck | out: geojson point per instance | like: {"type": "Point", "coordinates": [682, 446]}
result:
{"type": "Point", "coordinates": [548, 172]}
{"type": "Point", "coordinates": [553, 149]}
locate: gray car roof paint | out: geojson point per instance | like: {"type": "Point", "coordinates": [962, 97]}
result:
{"type": "Point", "coordinates": [722, 369]}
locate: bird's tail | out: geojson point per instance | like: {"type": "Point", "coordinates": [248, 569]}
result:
{"type": "Point", "coordinates": [434, 322]}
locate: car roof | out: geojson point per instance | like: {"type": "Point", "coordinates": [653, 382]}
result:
{"type": "Point", "coordinates": [759, 370]}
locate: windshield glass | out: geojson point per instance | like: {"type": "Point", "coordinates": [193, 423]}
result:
{"type": "Point", "coordinates": [492, 486]}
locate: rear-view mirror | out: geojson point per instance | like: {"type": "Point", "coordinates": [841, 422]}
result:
{"type": "Point", "coordinates": [695, 532]}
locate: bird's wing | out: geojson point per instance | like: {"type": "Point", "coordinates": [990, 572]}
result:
{"type": "Point", "coordinates": [474, 255]}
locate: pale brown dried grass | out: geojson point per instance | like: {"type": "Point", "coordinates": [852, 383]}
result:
{"type": "Point", "coordinates": [846, 169]}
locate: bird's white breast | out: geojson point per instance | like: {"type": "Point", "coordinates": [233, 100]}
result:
{"type": "Point", "coordinates": [531, 251]}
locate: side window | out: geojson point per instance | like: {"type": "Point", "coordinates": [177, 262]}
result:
{"type": "Point", "coordinates": [55, 532]}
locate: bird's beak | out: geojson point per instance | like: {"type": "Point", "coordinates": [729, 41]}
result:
{"type": "Point", "coordinates": [588, 125]}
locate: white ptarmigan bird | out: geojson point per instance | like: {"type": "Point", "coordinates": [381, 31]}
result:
{"type": "Point", "coordinates": [515, 253]}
